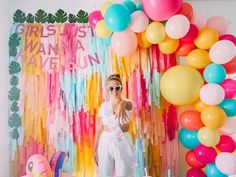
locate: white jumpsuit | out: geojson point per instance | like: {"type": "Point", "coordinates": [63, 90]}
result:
{"type": "Point", "coordinates": [111, 158]}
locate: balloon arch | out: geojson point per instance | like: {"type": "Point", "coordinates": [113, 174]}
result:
{"type": "Point", "coordinates": [201, 82]}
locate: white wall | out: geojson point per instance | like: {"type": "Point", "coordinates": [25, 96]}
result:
{"type": "Point", "coordinates": [225, 8]}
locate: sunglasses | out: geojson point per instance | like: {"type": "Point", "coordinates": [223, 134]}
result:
{"type": "Point", "coordinates": [116, 88]}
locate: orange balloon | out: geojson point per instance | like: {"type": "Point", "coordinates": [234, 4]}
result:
{"type": "Point", "coordinates": [191, 120]}
{"type": "Point", "coordinates": [186, 10]}
{"type": "Point", "coordinates": [142, 40]}
{"type": "Point", "coordinates": [184, 48]}
{"type": "Point", "coordinates": [200, 106]}
{"type": "Point", "coordinates": [206, 38]}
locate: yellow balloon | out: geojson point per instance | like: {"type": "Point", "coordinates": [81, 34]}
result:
{"type": "Point", "coordinates": [213, 117]}
{"type": "Point", "coordinates": [101, 30]}
{"type": "Point", "coordinates": [180, 85]}
{"type": "Point", "coordinates": [198, 58]}
{"type": "Point", "coordinates": [208, 137]}
{"type": "Point", "coordinates": [105, 6]}
{"type": "Point", "coordinates": [155, 32]}
{"type": "Point", "coordinates": [206, 38]}
{"type": "Point", "coordinates": [142, 40]}
{"type": "Point", "coordinates": [200, 106]}
{"type": "Point", "coordinates": [168, 45]}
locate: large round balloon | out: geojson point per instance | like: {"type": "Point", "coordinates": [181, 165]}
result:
{"type": "Point", "coordinates": [188, 138]}
{"type": "Point", "coordinates": [226, 163]}
{"type": "Point", "coordinates": [117, 17]}
{"type": "Point", "coordinates": [159, 10]}
{"type": "Point", "coordinates": [124, 43]}
{"type": "Point", "coordinates": [180, 85]}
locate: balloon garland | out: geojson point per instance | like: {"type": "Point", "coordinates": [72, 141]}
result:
{"type": "Point", "coordinates": [174, 28]}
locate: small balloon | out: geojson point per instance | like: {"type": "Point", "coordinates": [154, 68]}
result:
{"type": "Point", "coordinates": [186, 10]}
{"type": "Point", "coordinates": [230, 67]}
{"type": "Point", "coordinates": [155, 32]}
{"type": "Point", "coordinates": [188, 138]}
{"type": "Point", "coordinates": [195, 172]}
{"type": "Point", "coordinates": [168, 45]}
{"type": "Point", "coordinates": [192, 161]}
{"type": "Point", "coordinates": [229, 86]}
{"type": "Point", "coordinates": [226, 144]}
{"type": "Point", "coordinates": [205, 154]}
{"type": "Point", "coordinates": [139, 22]}
{"type": "Point", "coordinates": [198, 58]}
{"type": "Point", "coordinates": [229, 37]}
{"type": "Point", "coordinates": [229, 126]}
{"type": "Point", "coordinates": [191, 35]}
{"type": "Point", "coordinates": [130, 5]}
{"type": "Point", "coordinates": [218, 23]}
{"type": "Point", "coordinates": [226, 163]}
{"type": "Point", "coordinates": [222, 52]}
{"type": "Point", "coordinates": [208, 137]}
{"type": "Point", "coordinates": [214, 73]}
{"type": "Point", "coordinates": [213, 171]}
{"type": "Point", "coordinates": [229, 106]}
{"type": "Point", "coordinates": [95, 17]}
{"type": "Point", "coordinates": [191, 120]}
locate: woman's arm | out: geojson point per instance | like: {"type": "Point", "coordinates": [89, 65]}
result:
{"type": "Point", "coordinates": [99, 128]}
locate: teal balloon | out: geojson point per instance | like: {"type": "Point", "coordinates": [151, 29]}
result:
{"type": "Point", "coordinates": [117, 17]}
{"type": "Point", "coordinates": [212, 171]}
{"type": "Point", "coordinates": [130, 5]}
{"type": "Point", "coordinates": [214, 73]}
{"type": "Point", "coordinates": [140, 7]}
{"type": "Point", "coordinates": [107, 41]}
{"type": "Point", "coordinates": [229, 106]}
{"type": "Point", "coordinates": [189, 138]}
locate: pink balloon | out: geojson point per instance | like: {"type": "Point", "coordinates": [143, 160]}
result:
{"type": "Point", "coordinates": [226, 144]}
{"type": "Point", "coordinates": [195, 172]}
{"type": "Point", "coordinates": [205, 154]}
{"type": "Point", "coordinates": [95, 17]}
{"type": "Point", "coordinates": [218, 23]}
{"type": "Point", "coordinates": [199, 20]}
{"type": "Point", "coordinates": [139, 22]}
{"type": "Point", "coordinates": [124, 43]}
{"type": "Point", "coordinates": [186, 10]}
{"type": "Point", "coordinates": [177, 26]}
{"type": "Point", "coordinates": [160, 10]}
{"type": "Point", "coordinates": [226, 163]}
{"type": "Point", "coordinates": [191, 35]}
{"type": "Point", "coordinates": [222, 52]}
{"type": "Point", "coordinates": [229, 126]}
{"type": "Point", "coordinates": [229, 86]}
{"type": "Point", "coordinates": [212, 94]}
{"type": "Point", "coordinates": [229, 37]}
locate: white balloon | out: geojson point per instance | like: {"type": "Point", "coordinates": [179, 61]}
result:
{"type": "Point", "coordinates": [212, 94]}
{"type": "Point", "coordinates": [222, 52]}
{"type": "Point", "coordinates": [177, 26]}
{"type": "Point", "coordinates": [229, 126]}
{"type": "Point", "coordinates": [226, 163]}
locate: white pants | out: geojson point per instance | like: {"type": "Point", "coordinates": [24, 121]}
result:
{"type": "Point", "coordinates": [110, 157]}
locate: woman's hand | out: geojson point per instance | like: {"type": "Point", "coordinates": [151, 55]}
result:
{"type": "Point", "coordinates": [121, 114]}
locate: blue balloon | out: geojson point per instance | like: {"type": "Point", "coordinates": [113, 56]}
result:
{"type": "Point", "coordinates": [229, 106]}
{"type": "Point", "coordinates": [212, 171]}
{"type": "Point", "coordinates": [214, 73]}
{"type": "Point", "coordinates": [140, 7]}
{"type": "Point", "coordinates": [130, 5]}
{"type": "Point", "coordinates": [117, 17]}
{"type": "Point", "coordinates": [189, 138]}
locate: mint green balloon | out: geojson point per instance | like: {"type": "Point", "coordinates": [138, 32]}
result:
{"type": "Point", "coordinates": [214, 73]}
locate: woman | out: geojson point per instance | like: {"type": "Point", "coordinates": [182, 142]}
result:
{"type": "Point", "coordinates": [113, 147]}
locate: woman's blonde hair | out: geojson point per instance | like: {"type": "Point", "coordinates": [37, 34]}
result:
{"type": "Point", "coordinates": [115, 77]}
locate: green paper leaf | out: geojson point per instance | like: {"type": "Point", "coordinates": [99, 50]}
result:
{"type": "Point", "coordinates": [51, 18]}
{"type": "Point", "coordinates": [19, 16]}
{"type": "Point", "coordinates": [14, 94]}
{"type": "Point", "coordinates": [14, 67]}
{"type": "Point", "coordinates": [82, 17]}
{"type": "Point", "coordinates": [14, 107]}
{"type": "Point", "coordinates": [14, 81]}
{"type": "Point", "coordinates": [30, 18]}
{"type": "Point", "coordinates": [61, 16]}
{"type": "Point", "coordinates": [14, 40]}
{"type": "Point", "coordinates": [41, 16]}
{"type": "Point", "coordinates": [14, 120]}
{"type": "Point", "coordinates": [12, 52]}
{"type": "Point", "coordinates": [15, 134]}
{"type": "Point", "coordinates": [72, 18]}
